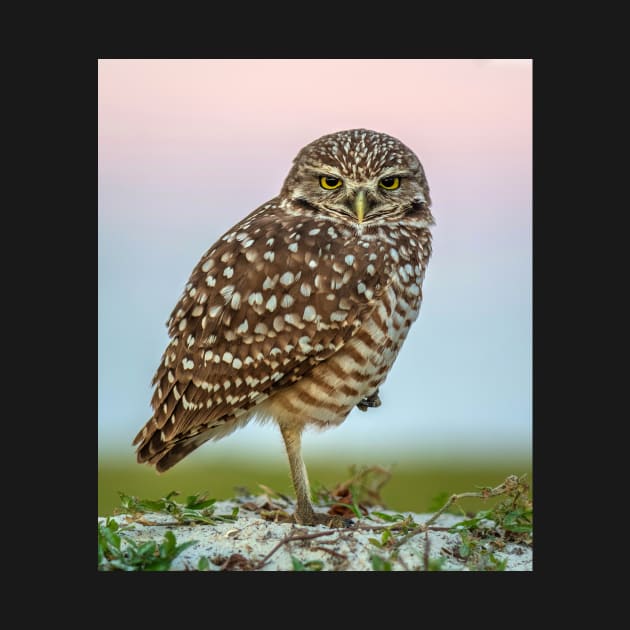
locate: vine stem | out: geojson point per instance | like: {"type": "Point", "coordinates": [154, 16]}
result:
{"type": "Point", "coordinates": [511, 482]}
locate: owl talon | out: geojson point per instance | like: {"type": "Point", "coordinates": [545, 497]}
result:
{"type": "Point", "coordinates": [369, 401]}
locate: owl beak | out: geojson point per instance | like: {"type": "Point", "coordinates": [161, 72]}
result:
{"type": "Point", "coordinates": [360, 202]}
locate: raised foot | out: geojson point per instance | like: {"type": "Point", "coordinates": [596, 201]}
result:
{"type": "Point", "coordinates": [369, 401]}
{"type": "Point", "coordinates": [333, 521]}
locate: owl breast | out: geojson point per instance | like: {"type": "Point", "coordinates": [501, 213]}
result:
{"type": "Point", "coordinates": [333, 388]}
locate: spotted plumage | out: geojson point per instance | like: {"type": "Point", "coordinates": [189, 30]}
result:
{"type": "Point", "coordinates": [298, 312]}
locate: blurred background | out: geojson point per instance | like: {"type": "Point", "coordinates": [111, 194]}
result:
{"type": "Point", "coordinates": [189, 147]}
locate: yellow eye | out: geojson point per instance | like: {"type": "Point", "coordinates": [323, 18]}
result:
{"type": "Point", "coordinates": [329, 183]}
{"type": "Point", "coordinates": [389, 183]}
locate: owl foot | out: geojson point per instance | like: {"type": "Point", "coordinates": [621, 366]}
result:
{"type": "Point", "coordinates": [315, 518]}
{"type": "Point", "coordinates": [369, 401]}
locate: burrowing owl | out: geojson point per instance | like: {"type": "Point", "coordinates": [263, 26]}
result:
{"type": "Point", "coordinates": [298, 312]}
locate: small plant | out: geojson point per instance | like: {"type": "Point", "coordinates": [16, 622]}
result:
{"type": "Point", "coordinates": [436, 564]}
{"type": "Point", "coordinates": [353, 497]}
{"type": "Point", "coordinates": [203, 564]}
{"type": "Point", "coordinates": [197, 508]}
{"type": "Point", "coordinates": [510, 520]}
{"type": "Point", "coordinates": [117, 552]}
{"type": "Point", "coordinates": [311, 565]}
{"type": "Point", "coordinates": [380, 564]}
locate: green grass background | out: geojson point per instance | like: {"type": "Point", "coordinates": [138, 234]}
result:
{"type": "Point", "coordinates": [412, 487]}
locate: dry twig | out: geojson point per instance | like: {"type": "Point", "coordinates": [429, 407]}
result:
{"type": "Point", "coordinates": [288, 539]}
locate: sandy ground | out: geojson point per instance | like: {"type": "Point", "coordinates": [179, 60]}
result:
{"type": "Point", "coordinates": [247, 543]}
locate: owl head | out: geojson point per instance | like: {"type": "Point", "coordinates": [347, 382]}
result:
{"type": "Point", "coordinates": [358, 175]}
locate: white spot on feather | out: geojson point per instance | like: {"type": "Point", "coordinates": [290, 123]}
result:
{"type": "Point", "coordinates": [309, 314]}
{"type": "Point", "coordinates": [286, 278]}
{"type": "Point", "coordinates": [338, 316]}
{"type": "Point", "coordinates": [227, 291]}
{"type": "Point", "coordinates": [261, 329]}
{"type": "Point", "coordinates": [270, 283]}
{"type": "Point", "coordinates": [235, 302]}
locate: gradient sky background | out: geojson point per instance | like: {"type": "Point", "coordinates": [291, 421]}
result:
{"type": "Point", "coordinates": [189, 147]}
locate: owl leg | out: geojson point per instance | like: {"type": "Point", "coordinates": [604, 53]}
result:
{"type": "Point", "coordinates": [304, 513]}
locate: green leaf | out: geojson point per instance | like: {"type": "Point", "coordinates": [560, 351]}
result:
{"type": "Point", "coordinates": [310, 565]}
{"type": "Point", "coordinates": [469, 524]}
{"type": "Point", "coordinates": [147, 549]}
{"type": "Point", "coordinates": [199, 502]}
{"type": "Point", "coordinates": [499, 565]}
{"type": "Point", "coordinates": [180, 548]}
{"type": "Point", "coordinates": [203, 564]}
{"type": "Point", "coordinates": [122, 565]}
{"type": "Point", "coordinates": [389, 517]}
{"type": "Point", "coordinates": [375, 542]}
{"type": "Point", "coordinates": [380, 564]}
{"type": "Point", "coordinates": [385, 536]}
{"type": "Point", "coordinates": [194, 516]}
{"type": "Point", "coordinates": [436, 564]}
{"type": "Point", "coordinates": [168, 546]}
{"type": "Point", "coordinates": [159, 565]}
{"type": "Point", "coordinates": [464, 550]}
{"type": "Point", "coordinates": [297, 564]}
{"type": "Point", "coordinates": [111, 538]}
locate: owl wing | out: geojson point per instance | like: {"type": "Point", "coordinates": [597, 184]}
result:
{"type": "Point", "coordinates": [271, 299]}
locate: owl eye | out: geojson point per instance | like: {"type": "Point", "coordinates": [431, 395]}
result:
{"type": "Point", "coordinates": [389, 183]}
{"type": "Point", "coordinates": [329, 183]}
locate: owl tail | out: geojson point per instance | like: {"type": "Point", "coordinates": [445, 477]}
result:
{"type": "Point", "coordinates": [164, 455]}
{"type": "Point", "coordinates": [159, 450]}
